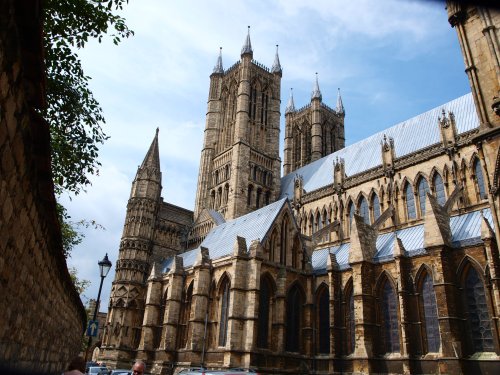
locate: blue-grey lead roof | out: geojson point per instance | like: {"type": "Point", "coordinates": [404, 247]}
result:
{"type": "Point", "coordinates": [409, 136]}
{"type": "Point", "coordinates": [465, 230]}
{"type": "Point", "coordinates": [220, 240]}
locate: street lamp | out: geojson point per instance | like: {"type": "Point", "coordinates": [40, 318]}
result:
{"type": "Point", "coordinates": [104, 267]}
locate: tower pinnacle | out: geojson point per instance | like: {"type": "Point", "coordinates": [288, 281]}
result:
{"type": "Point", "coordinates": [316, 93]}
{"type": "Point", "coordinates": [290, 107]}
{"type": "Point", "coordinates": [340, 105]}
{"type": "Point", "coordinates": [218, 69]}
{"type": "Point", "coordinates": [247, 47]}
{"type": "Point", "coordinates": [152, 158]}
{"type": "Point", "coordinates": [276, 65]}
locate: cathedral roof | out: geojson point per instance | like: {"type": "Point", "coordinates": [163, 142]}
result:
{"type": "Point", "coordinates": [409, 136]}
{"type": "Point", "coordinates": [465, 230]}
{"type": "Point", "coordinates": [220, 240]}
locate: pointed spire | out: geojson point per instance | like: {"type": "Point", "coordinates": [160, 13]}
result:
{"type": "Point", "coordinates": [290, 107]}
{"type": "Point", "coordinates": [218, 69]}
{"type": "Point", "coordinates": [316, 93]}
{"type": "Point", "coordinates": [276, 65]}
{"type": "Point", "coordinates": [152, 158]}
{"type": "Point", "coordinates": [247, 47]}
{"type": "Point", "coordinates": [340, 105]}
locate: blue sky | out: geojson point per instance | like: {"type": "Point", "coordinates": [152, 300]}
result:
{"type": "Point", "coordinates": [391, 59]}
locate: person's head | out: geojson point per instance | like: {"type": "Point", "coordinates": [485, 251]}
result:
{"type": "Point", "coordinates": [77, 363]}
{"type": "Point", "coordinates": [138, 368]}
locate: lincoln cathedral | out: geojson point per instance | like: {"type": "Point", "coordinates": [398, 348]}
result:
{"type": "Point", "coordinates": [378, 257]}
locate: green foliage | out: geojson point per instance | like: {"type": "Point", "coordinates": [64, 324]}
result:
{"type": "Point", "coordinates": [80, 284]}
{"type": "Point", "coordinates": [74, 115]}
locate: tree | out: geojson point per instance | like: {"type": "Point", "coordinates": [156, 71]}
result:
{"type": "Point", "coordinates": [74, 115]}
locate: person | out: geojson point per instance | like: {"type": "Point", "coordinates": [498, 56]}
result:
{"type": "Point", "coordinates": [138, 368]}
{"type": "Point", "coordinates": [76, 367]}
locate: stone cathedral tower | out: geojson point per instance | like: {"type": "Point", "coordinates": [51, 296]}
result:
{"type": "Point", "coordinates": [132, 267]}
{"type": "Point", "coordinates": [240, 163]}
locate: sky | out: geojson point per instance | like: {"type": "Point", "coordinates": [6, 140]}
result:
{"type": "Point", "coordinates": [392, 60]}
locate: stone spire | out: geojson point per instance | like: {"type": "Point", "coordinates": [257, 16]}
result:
{"type": "Point", "coordinates": [316, 93]}
{"type": "Point", "coordinates": [290, 107]}
{"type": "Point", "coordinates": [247, 47]}
{"type": "Point", "coordinates": [152, 159]}
{"type": "Point", "coordinates": [340, 106]}
{"type": "Point", "coordinates": [276, 65]}
{"type": "Point", "coordinates": [218, 69]}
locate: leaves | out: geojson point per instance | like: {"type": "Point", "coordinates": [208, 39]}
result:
{"type": "Point", "coordinates": [74, 115]}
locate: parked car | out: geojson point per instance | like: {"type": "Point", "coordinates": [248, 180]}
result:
{"type": "Point", "coordinates": [90, 364]}
{"type": "Point", "coordinates": [98, 370]}
{"type": "Point", "coordinates": [202, 371]}
{"type": "Point", "coordinates": [121, 372]}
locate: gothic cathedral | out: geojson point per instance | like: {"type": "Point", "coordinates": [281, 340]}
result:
{"type": "Point", "coordinates": [348, 263]}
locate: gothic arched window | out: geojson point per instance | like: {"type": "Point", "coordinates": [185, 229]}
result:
{"type": "Point", "coordinates": [184, 317]}
{"type": "Point", "coordinates": [423, 189]}
{"type": "Point", "coordinates": [478, 317]}
{"type": "Point", "coordinates": [349, 320]}
{"type": "Point", "coordinates": [479, 179]}
{"type": "Point", "coordinates": [249, 197]}
{"type": "Point", "coordinates": [351, 214]}
{"type": "Point", "coordinates": [439, 188]}
{"type": "Point", "coordinates": [264, 314]}
{"type": "Point", "coordinates": [410, 202]}
{"type": "Point", "coordinates": [224, 311]}
{"type": "Point", "coordinates": [294, 302]}
{"type": "Point", "coordinates": [323, 303]}
{"type": "Point", "coordinates": [389, 314]}
{"type": "Point", "coordinates": [376, 207]}
{"type": "Point", "coordinates": [363, 210]}
{"type": "Point", "coordinates": [284, 240]}
{"type": "Point", "coordinates": [430, 315]}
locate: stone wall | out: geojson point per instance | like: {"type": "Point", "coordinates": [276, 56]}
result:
{"type": "Point", "coordinates": [42, 317]}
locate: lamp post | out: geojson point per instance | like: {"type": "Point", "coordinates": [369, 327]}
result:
{"type": "Point", "coordinates": [104, 267]}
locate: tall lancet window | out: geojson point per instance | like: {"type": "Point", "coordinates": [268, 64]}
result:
{"type": "Point", "coordinates": [423, 189]}
{"type": "Point", "coordinates": [376, 207]}
{"type": "Point", "coordinates": [323, 308]}
{"type": "Point", "coordinates": [478, 318]}
{"type": "Point", "coordinates": [479, 179]}
{"type": "Point", "coordinates": [410, 202]}
{"type": "Point", "coordinates": [430, 315]}
{"type": "Point", "coordinates": [264, 314]}
{"type": "Point", "coordinates": [294, 302]}
{"type": "Point", "coordinates": [363, 210]}
{"type": "Point", "coordinates": [389, 313]}
{"type": "Point", "coordinates": [184, 317]}
{"type": "Point", "coordinates": [439, 188]}
{"type": "Point", "coordinates": [224, 310]}
{"type": "Point", "coordinates": [349, 320]}
{"type": "Point", "coordinates": [252, 108]}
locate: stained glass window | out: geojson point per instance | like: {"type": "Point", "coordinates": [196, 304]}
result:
{"type": "Point", "coordinates": [376, 207]}
{"type": "Point", "coordinates": [423, 189]}
{"type": "Point", "coordinates": [324, 321]}
{"type": "Point", "coordinates": [224, 310]}
{"type": "Point", "coordinates": [293, 319]}
{"type": "Point", "coordinates": [363, 210]}
{"type": "Point", "coordinates": [439, 187]}
{"type": "Point", "coordinates": [410, 202]}
{"type": "Point", "coordinates": [480, 180]}
{"type": "Point", "coordinates": [263, 321]}
{"type": "Point", "coordinates": [390, 323]}
{"type": "Point", "coordinates": [430, 315]}
{"type": "Point", "coordinates": [477, 311]}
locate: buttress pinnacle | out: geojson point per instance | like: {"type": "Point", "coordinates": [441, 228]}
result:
{"type": "Point", "coordinates": [276, 65]}
{"type": "Point", "coordinates": [218, 69]}
{"type": "Point", "coordinates": [247, 47]}
{"type": "Point", "coordinates": [316, 93]}
{"type": "Point", "coordinates": [152, 158]}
